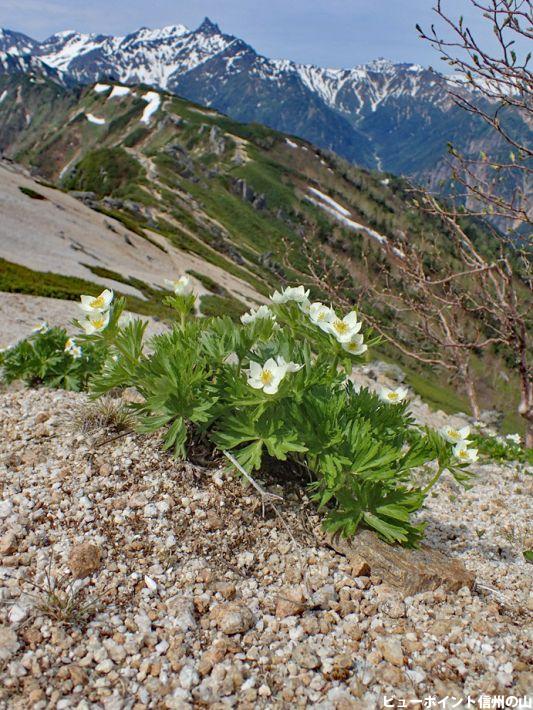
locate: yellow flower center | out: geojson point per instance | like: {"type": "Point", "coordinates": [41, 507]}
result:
{"type": "Point", "coordinates": [266, 377]}
{"type": "Point", "coordinates": [393, 396]}
{"type": "Point", "coordinates": [98, 322]}
{"type": "Point", "coordinates": [97, 302]}
{"type": "Point", "coordinates": [463, 454]}
{"type": "Point", "coordinates": [341, 327]}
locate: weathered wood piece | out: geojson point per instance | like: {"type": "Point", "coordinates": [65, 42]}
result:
{"type": "Point", "coordinates": [411, 571]}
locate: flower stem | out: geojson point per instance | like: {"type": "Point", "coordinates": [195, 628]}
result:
{"type": "Point", "coordinates": [433, 480]}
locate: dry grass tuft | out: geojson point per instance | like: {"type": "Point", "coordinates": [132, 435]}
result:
{"type": "Point", "coordinates": [63, 600]}
{"type": "Point", "coordinates": [103, 414]}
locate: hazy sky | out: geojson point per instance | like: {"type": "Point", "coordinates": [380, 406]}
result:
{"type": "Point", "coordinates": [336, 33]}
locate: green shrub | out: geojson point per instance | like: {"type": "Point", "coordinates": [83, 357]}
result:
{"type": "Point", "coordinates": [42, 359]}
{"type": "Point", "coordinates": [104, 171]}
{"type": "Point", "coordinates": [498, 448]}
{"type": "Point", "coordinates": [276, 390]}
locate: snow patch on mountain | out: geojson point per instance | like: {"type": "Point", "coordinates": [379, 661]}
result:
{"type": "Point", "coordinates": [154, 101]}
{"type": "Point", "coordinates": [95, 119]}
{"type": "Point", "coordinates": [119, 91]}
{"type": "Point", "coordinates": [342, 215]}
{"type": "Point", "coordinates": [101, 88]}
{"type": "Point", "coordinates": [330, 201]}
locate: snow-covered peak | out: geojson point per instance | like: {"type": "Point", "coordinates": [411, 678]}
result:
{"type": "Point", "coordinates": [385, 66]}
{"type": "Point", "coordinates": [145, 34]}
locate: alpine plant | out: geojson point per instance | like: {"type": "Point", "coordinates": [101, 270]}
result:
{"type": "Point", "coordinates": [277, 387]}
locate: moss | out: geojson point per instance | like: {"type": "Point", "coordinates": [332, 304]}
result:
{"type": "Point", "coordinates": [222, 306]}
{"type": "Point", "coordinates": [15, 278]}
{"type": "Point", "coordinates": [31, 193]}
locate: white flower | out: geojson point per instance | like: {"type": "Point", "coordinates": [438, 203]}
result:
{"type": "Point", "coordinates": [344, 328]}
{"type": "Point", "coordinates": [41, 328]}
{"type": "Point", "coordinates": [257, 313]}
{"type": "Point", "coordinates": [72, 349]}
{"type": "Point", "coordinates": [100, 304]}
{"type": "Point", "coordinates": [321, 315]}
{"type": "Point", "coordinates": [266, 377]}
{"type": "Point", "coordinates": [355, 346]}
{"type": "Point", "coordinates": [454, 436]}
{"type": "Point", "coordinates": [95, 323]}
{"type": "Point", "coordinates": [291, 293]}
{"type": "Point", "coordinates": [463, 453]}
{"type": "Point", "coordinates": [515, 438]}
{"type": "Point", "coordinates": [287, 366]}
{"type": "Point", "coordinates": [181, 286]}
{"type": "Point", "coordinates": [393, 396]}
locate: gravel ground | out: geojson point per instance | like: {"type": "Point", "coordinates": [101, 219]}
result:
{"type": "Point", "coordinates": [194, 598]}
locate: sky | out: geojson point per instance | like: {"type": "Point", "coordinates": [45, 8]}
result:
{"type": "Point", "coordinates": [333, 33]}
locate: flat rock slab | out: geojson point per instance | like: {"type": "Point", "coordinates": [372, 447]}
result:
{"type": "Point", "coordinates": [411, 571]}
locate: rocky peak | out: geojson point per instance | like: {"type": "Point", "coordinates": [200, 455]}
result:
{"type": "Point", "coordinates": [208, 27]}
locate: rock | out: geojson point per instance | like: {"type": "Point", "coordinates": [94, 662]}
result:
{"type": "Point", "coordinates": [8, 543]}
{"type": "Point", "coordinates": [391, 650]}
{"type": "Point", "coordinates": [9, 644]}
{"type": "Point", "coordinates": [188, 677]}
{"type": "Point", "coordinates": [393, 607]}
{"type": "Point", "coordinates": [216, 141]}
{"type": "Point", "coordinates": [17, 614]}
{"type": "Point", "coordinates": [233, 618]}
{"type": "Point", "coordinates": [182, 609]}
{"type": "Point", "coordinates": [84, 559]}
{"type": "Point", "coordinates": [116, 652]}
{"type": "Point", "coordinates": [491, 417]}
{"type": "Point", "coordinates": [211, 658]}
{"type": "Point", "coordinates": [324, 597]}
{"type": "Point", "coordinates": [360, 568]}
{"type": "Point", "coordinates": [227, 589]}
{"type": "Point", "coordinates": [290, 602]}
{"type": "Point", "coordinates": [411, 571]}
{"type": "Point", "coordinates": [105, 666]}
{"type": "Point", "coordinates": [78, 675]}
{"type": "Point", "coordinates": [305, 657]}
{"type": "Point", "coordinates": [378, 369]}
{"type": "Point", "coordinates": [6, 508]}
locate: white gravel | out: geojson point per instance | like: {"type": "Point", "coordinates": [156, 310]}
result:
{"type": "Point", "coordinates": [193, 585]}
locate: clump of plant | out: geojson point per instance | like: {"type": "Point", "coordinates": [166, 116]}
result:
{"type": "Point", "coordinates": [105, 413]}
{"type": "Point", "coordinates": [275, 388]}
{"type": "Point", "coordinates": [63, 599]}
{"type": "Point", "coordinates": [51, 358]}
{"type": "Point", "coordinates": [503, 449]}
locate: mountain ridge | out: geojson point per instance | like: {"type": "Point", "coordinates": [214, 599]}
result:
{"type": "Point", "coordinates": [379, 115]}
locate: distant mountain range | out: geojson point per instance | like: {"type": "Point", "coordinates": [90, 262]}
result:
{"type": "Point", "coordinates": [392, 117]}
